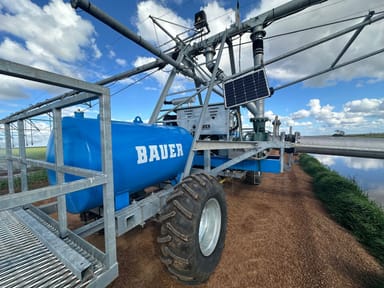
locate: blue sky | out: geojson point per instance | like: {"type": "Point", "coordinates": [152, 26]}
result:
{"type": "Point", "coordinates": [52, 36]}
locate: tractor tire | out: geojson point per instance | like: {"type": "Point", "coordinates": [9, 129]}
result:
{"type": "Point", "coordinates": [194, 224]}
{"type": "Point", "coordinates": [253, 178]}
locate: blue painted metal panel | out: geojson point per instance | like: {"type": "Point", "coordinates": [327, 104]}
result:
{"type": "Point", "coordinates": [271, 164]}
{"type": "Point", "coordinates": [143, 155]}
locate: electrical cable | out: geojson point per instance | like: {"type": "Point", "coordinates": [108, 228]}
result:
{"type": "Point", "coordinates": [313, 27]}
{"type": "Point", "coordinates": [157, 36]}
{"type": "Point", "coordinates": [135, 82]}
{"type": "Point", "coordinates": [122, 89]}
{"type": "Point", "coordinates": [172, 23]}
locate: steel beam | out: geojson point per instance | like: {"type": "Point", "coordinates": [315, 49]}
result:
{"type": "Point", "coordinates": [16, 199]}
{"type": "Point", "coordinates": [29, 73]}
{"type": "Point", "coordinates": [73, 98]}
{"type": "Point", "coordinates": [67, 100]}
{"type": "Point", "coordinates": [164, 92]}
{"type": "Point", "coordinates": [123, 30]}
{"type": "Point", "coordinates": [188, 164]}
{"type": "Point", "coordinates": [264, 20]}
{"type": "Point", "coordinates": [139, 212]}
{"type": "Point", "coordinates": [340, 151]}
{"type": "Point", "coordinates": [235, 160]}
{"type": "Point", "coordinates": [202, 145]}
{"type": "Point", "coordinates": [81, 172]}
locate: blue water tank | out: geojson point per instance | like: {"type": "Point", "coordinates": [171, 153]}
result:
{"type": "Point", "coordinates": [143, 155]}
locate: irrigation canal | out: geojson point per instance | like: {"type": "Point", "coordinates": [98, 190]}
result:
{"type": "Point", "coordinates": [366, 168]}
{"type": "Point", "coordinates": [368, 173]}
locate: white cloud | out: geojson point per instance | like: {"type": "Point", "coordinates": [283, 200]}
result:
{"type": "Point", "coordinates": [326, 159]}
{"type": "Point", "coordinates": [48, 27]}
{"type": "Point", "coordinates": [371, 106]}
{"type": "Point", "coordinates": [96, 52]}
{"type": "Point", "coordinates": [319, 118]}
{"type": "Point", "coordinates": [363, 164]}
{"type": "Point", "coordinates": [9, 88]}
{"type": "Point", "coordinates": [111, 54]}
{"type": "Point", "coordinates": [300, 114]}
{"type": "Point", "coordinates": [121, 62]}
{"type": "Point", "coordinates": [321, 57]}
{"type": "Point", "coordinates": [52, 37]}
{"type": "Point", "coordinates": [161, 76]}
{"type": "Point", "coordinates": [327, 116]}
{"type": "Point", "coordinates": [145, 25]}
{"type": "Point", "coordinates": [141, 60]}
{"type": "Point", "coordinates": [218, 17]}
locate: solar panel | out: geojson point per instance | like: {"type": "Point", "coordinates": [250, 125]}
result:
{"type": "Point", "coordinates": [246, 89]}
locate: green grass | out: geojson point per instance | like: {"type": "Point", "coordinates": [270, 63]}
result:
{"type": "Point", "coordinates": [36, 178]}
{"type": "Point", "coordinates": [348, 205]}
{"type": "Point", "coordinates": [37, 153]}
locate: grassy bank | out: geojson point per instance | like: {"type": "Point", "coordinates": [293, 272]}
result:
{"type": "Point", "coordinates": [369, 135]}
{"type": "Point", "coordinates": [348, 205]}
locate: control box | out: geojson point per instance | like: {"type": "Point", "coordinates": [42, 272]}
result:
{"type": "Point", "coordinates": [216, 119]}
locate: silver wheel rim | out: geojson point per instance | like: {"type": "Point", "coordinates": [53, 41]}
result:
{"type": "Point", "coordinates": [209, 227]}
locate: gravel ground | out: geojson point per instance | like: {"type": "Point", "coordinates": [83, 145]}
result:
{"type": "Point", "coordinates": [278, 235]}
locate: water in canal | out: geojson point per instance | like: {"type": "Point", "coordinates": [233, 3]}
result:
{"type": "Point", "coordinates": [368, 173]}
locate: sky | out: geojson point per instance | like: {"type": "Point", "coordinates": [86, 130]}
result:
{"type": "Point", "coordinates": [50, 35]}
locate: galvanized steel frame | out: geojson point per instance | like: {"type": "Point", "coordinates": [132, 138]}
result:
{"type": "Point", "coordinates": [83, 91]}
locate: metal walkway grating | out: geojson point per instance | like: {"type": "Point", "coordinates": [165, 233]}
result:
{"type": "Point", "coordinates": [26, 262]}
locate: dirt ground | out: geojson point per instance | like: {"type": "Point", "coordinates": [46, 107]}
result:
{"type": "Point", "coordinates": [278, 235]}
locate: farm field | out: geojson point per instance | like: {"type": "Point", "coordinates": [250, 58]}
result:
{"type": "Point", "coordinates": [279, 235]}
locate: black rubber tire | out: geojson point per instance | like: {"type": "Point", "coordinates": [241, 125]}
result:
{"type": "Point", "coordinates": [179, 235]}
{"type": "Point", "coordinates": [253, 178]}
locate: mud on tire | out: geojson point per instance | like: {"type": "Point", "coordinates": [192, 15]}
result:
{"type": "Point", "coordinates": [193, 229]}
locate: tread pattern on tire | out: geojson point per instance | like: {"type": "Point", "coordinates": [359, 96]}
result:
{"type": "Point", "coordinates": [179, 231]}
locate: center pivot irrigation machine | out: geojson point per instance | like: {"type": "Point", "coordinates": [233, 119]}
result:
{"type": "Point", "coordinates": [103, 169]}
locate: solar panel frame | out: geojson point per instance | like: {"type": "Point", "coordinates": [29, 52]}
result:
{"type": "Point", "coordinates": [248, 88]}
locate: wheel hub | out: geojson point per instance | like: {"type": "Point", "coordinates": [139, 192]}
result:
{"type": "Point", "coordinates": [209, 228]}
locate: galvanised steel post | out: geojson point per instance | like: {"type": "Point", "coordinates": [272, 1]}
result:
{"type": "Point", "coordinates": [59, 162]}
{"type": "Point", "coordinates": [8, 148]}
{"type": "Point", "coordinates": [108, 187]}
{"type": "Point", "coordinates": [22, 155]}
